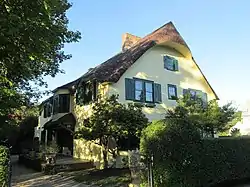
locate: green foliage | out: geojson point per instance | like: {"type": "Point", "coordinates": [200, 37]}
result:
{"type": "Point", "coordinates": [110, 118]}
{"type": "Point", "coordinates": [171, 145]}
{"type": "Point", "coordinates": [32, 37]}
{"type": "Point", "coordinates": [4, 159]}
{"type": "Point", "coordinates": [19, 123]}
{"type": "Point", "coordinates": [208, 117]}
{"type": "Point", "coordinates": [7, 128]}
{"type": "Point", "coordinates": [235, 132]}
{"type": "Point", "coordinates": [181, 158]}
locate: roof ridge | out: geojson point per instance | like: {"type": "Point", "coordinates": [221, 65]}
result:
{"type": "Point", "coordinates": [168, 23]}
{"type": "Point", "coordinates": [143, 38]}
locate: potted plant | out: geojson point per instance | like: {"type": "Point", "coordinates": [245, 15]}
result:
{"type": "Point", "coordinates": [49, 152]}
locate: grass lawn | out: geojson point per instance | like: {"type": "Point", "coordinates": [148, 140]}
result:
{"type": "Point", "coordinates": [106, 178]}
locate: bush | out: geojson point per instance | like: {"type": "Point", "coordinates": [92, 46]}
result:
{"type": "Point", "coordinates": [181, 158]}
{"type": "Point", "coordinates": [171, 145]}
{"type": "Point", "coordinates": [4, 160]}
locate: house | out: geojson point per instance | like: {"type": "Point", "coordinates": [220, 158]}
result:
{"type": "Point", "coordinates": [153, 70]}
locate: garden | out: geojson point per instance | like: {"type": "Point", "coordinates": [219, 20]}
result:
{"type": "Point", "coordinates": [185, 152]}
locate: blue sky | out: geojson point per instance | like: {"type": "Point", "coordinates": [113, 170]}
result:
{"type": "Point", "coordinates": [216, 31]}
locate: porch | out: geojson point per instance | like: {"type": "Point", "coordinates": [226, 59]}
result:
{"type": "Point", "coordinates": [60, 130]}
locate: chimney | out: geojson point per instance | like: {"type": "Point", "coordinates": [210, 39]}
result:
{"type": "Point", "coordinates": [128, 40]}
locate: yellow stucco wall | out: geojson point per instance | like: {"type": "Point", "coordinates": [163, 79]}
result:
{"type": "Point", "coordinates": [83, 112]}
{"type": "Point", "coordinates": [150, 66]}
{"type": "Point", "coordinates": [90, 151]}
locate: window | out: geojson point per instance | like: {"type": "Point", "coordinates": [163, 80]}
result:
{"type": "Point", "coordinates": [192, 93]}
{"type": "Point", "coordinates": [149, 91]}
{"type": "Point", "coordinates": [86, 92]}
{"type": "Point", "coordinates": [50, 106]}
{"type": "Point", "coordinates": [170, 63]}
{"type": "Point", "coordinates": [196, 94]}
{"type": "Point", "coordinates": [61, 103]}
{"type": "Point", "coordinates": [142, 90]}
{"type": "Point", "coordinates": [172, 92]}
{"type": "Point", "coordinates": [64, 101]}
{"type": "Point", "coordinates": [138, 90]}
{"type": "Point", "coordinates": [56, 104]}
{"type": "Point", "coordinates": [47, 108]}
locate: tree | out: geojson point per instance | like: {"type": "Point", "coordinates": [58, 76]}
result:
{"type": "Point", "coordinates": [208, 117]}
{"type": "Point", "coordinates": [19, 126]}
{"type": "Point", "coordinates": [32, 37]}
{"type": "Point", "coordinates": [235, 132]}
{"type": "Point", "coordinates": [111, 119]}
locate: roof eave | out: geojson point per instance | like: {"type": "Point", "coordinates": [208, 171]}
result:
{"type": "Point", "coordinates": [216, 96]}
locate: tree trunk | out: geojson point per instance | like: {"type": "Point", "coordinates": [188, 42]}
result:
{"type": "Point", "coordinates": [104, 143]}
{"type": "Point", "coordinates": [212, 131]}
{"type": "Point", "coordinates": [105, 157]}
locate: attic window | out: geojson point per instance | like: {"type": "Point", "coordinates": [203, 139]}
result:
{"type": "Point", "coordinates": [170, 63]}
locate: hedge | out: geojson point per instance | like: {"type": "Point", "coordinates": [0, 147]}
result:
{"type": "Point", "coordinates": [4, 160]}
{"type": "Point", "coordinates": [181, 159]}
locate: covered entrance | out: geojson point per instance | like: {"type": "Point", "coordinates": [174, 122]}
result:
{"type": "Point", "coordinates": [60, 130]}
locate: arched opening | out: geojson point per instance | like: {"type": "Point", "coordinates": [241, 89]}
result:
{"type": "Point", "coordinates": [60, 130]}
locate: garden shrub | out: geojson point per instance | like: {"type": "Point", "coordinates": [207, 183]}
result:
{"type": "Point", "coordinates": [4, 159]}
{"type": "Point", "coordinates": [183, 159]}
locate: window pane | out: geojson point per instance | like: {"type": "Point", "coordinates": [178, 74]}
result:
{"type": "Point", "coordinates": [170, 64]}
{"type": "Point", "coordinates": [192, 93]}
{"type": "Point", "coordinates": [149, 87]}
{"type": "Point", "coordinates": [149, 96]}
{"type": "Point", "coordinates": [172, 91]}
{"type": "Point", "coordinates": [138, 85]}
{"type": "Point", "coordinates": [64, 103]}
{"type": "Point", "coordinates": [138, 95]}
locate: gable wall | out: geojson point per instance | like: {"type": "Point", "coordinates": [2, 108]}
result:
{"type": "Point", "coordinates": [150, 66]}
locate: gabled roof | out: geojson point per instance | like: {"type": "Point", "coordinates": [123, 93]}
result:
{"type": "Point", "coordinates": [67, 85]}
{"type": "Point", "coordinates": [112, 69]}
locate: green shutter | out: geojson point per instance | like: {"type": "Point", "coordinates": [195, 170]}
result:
{"type": "Point", "coordinates": [204, 97]}
{"type": "Point", "coordinates": [129, 89]}
{"type": "Point", "coordinates": [45, 110]}
{"type": "Point", "coordinates": [157, 93]}
{"type": "Point", "coordinates": [185, 91]}
{"type": "Point", "coordinates": [165, 59]}
{"type": "Point", "coordinates": [176, 65]}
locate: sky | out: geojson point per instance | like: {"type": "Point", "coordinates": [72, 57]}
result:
{"type": "Point", "coordinates": [217, 33]}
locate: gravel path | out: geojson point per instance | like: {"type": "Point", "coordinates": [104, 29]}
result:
{"type": "Point", "coordinates": [23, 177]}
